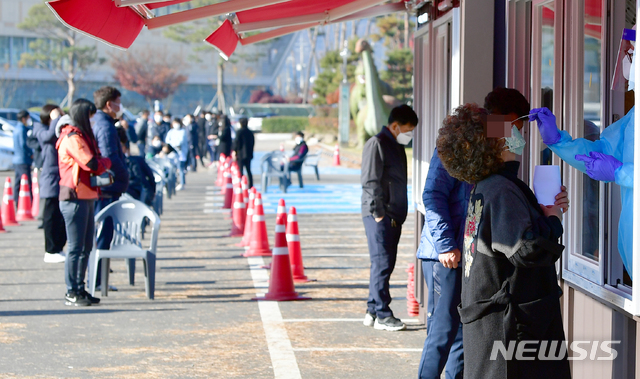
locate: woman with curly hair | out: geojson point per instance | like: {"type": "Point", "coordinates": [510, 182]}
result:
{"type": "Point", "coordinates": [510, 292]}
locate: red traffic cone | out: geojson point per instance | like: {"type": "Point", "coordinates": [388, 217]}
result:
{"type": "Point", "coordinates": [228, 193]}
{"type": "Point", "coordinates": [281, 287]}
{"type": "Point", "coordinates": [336, 156]}
{"type": "Point", "coordinates": [8, 205]}
{"type": "Point", "coordinates": [225, 172]}
{"type": "Point", "coordinates": [244, 183]}
{"type": "Point", "coordinates": [413, 308]}
{"type": "Point", "coordinates": [35, 187]}
{"type": "Point", "coordinates": [259, 246]}
{"type": "Point", "coordinates": [2, 230]}
{"type": "Point", "coordinates": [24, 200]}
{"type": "Point", "coordinates": [295, 253]}
{"type": "Point", "coordinates": [220, 179]}
{"type": "Point", "coordinates": [239, 213]}
{"type": "Point", "coordinates": [246, 238]}
{"type": "Point", "coordinates": [281, 225]}
{"type": "Point", "coordinates": [282, 147]}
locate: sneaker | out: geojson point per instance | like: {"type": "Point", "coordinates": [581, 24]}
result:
{"type": "Point", "coordinates": [179, 187]}
{"type": "Point", "coordinates": [390, 323]}
{"type": "Point", "coordinates": [73, 298]}
{"type": "Point", "coordinates": [93, 300]}
{"type": "Point", "coordinates": [54, 257]}
{"type": "Point", "coordinates": [369, 319]}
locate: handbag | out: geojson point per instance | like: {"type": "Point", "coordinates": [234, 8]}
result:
{"type": "Point", "coordinates": [103, 180]}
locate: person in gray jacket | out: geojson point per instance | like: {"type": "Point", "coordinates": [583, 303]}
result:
{"type": "Point", "coordinates": [384, 209]}
{"type": "Point", "coordinates": [55, 235]}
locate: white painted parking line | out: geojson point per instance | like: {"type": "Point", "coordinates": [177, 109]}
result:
{"type": "Point", "coordinates": [405, 320]}
{"type": "Point", "coordinates": [359, 349]}
{"type": "Point", "coordinates": [283, 358]}
{"type": "Point", "coordinates": [216, 211]}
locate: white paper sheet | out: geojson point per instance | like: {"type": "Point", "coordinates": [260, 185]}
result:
{"type": "Point", "coordinates": [547, 183]}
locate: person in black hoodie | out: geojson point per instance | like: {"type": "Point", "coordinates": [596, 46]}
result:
{"type": "Point", "coordinates": [243, 149]}
{"type": "Point", "coordinates": [384, 208]}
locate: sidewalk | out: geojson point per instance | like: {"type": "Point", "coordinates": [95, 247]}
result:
{"type": "Point", "coordinates": [203, 322]}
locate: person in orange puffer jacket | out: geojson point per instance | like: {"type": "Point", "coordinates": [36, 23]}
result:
{"type": "Point", "coordinates": [78, 158]}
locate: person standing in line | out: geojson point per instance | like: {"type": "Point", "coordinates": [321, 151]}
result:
{"type": "Point", "coordinates": [141, 127]}
{"type": "Point", "coordinates": [107, 100]}
{"type": "Point", "coordinates": [78, 157]}
{"type": "Point", "coordinates": [243, 149]}
{"type": "Point", "coordinates": [224, 135]}
{"type": "Point", "coordinates": [22, 153]}
{"type": "Point", "coordinates": [177, 138]}
{"type": "Point", "coordinates": [201, 123]}
{"type": "Point", "coordinates": [192, 133]}
{"type": "Point", "coordinates": [55, 235]}
{"type": "Point", "coordinates": [384, 210]}
{"type": "Point", "coordinates": [142, 183]}
{"type": "Point", "coordinates": [212, 136]}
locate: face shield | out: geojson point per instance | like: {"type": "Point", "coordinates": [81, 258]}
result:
{"type": "Point", "coordinates": [624, 67]}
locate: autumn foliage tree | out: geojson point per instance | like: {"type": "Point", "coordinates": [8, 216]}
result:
{"type": "Point", "coordinates": [153, 76]}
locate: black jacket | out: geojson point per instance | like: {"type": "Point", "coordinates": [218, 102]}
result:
{"type": "Point", "coordinates": [106, 134]}
{"type": "Point", "coordinates": [384, 178]}
{"type": "Point", "coordinates": [225, 141]}
{"type": "Point", "coordinates": [142, 185]}
{"type": "Point", "coordinates": [50, 175]}
{"type": "Point", "coordinates": [243, 144]}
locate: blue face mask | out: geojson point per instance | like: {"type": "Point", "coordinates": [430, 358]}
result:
{"type": "Point", "coordinates": [516, 142]}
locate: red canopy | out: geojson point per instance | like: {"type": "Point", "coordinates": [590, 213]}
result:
{"type": "Point", "coordinates": [119, 22]}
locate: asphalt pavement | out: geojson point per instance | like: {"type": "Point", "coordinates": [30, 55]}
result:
{"type": "Point", "coordinates": [203, 321]}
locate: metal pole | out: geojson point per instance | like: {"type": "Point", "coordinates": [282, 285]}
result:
{"type": "Point", "coordinates": [343, 115]}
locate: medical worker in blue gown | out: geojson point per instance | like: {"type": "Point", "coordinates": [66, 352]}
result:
{"type": "Point", "coordinates": [609, 159]}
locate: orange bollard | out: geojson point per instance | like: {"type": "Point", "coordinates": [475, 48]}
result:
{"type": "Point", "coordinates": [8, 205]}
{"type": "Point", "coordinates": [259, 246]}
{"type": "Point", "coordinates": [239, 214]}
{"type": "Point", "coordinates": [24, 200]}
{"type": "Point", "coordinates": [35, 187]}
{"type": "Point", "coordinates": [281, 287]}
{"type": "Point", "coordinates": [336, 156]}
{"type": "Point", "coordinates": [295, 252]}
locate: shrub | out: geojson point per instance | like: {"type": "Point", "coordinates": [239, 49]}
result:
{"type": "Point", "coordinates": [284, 124]}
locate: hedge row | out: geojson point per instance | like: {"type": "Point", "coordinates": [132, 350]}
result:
{"type": "Point", "coordinates": [284, 124]}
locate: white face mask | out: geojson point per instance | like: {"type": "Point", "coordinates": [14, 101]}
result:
{"type": "Point", "coordinates": [404, 138]}
{"type": "Point", "coordinates": [298, 140]}
{"type": "Point", "coordinates": [207, 117]}
{"type": "Point", "coordinates": [157, 119]}
{"type": "Point", "coordinates": [186, 122]}
{"type": "Point", "coordinates": [176, 125]}
{"type": "Point", "coordinates": [516, 142]}
{"type": "Point", "coordinates": [29, 122]}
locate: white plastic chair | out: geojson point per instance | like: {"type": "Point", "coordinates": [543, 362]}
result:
{"type": "Point", "coordinates": [127, 218]}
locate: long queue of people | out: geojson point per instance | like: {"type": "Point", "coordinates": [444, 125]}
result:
{"type": "Point", "coordinates": [86, 162]}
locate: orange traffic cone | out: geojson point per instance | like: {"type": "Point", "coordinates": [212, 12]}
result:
{"type": "Point", "coordinates": [220, 179]}
{"type": "Point", "coordinates": [35, 187]}
{"type": "Point", "coordinates": [281, 227]}
{"type": "Point", "coordinates": [228, 193]}
{"type": "Point", "coordinates": [245, 191]}
{"type": "Point", "coordinates": [295, 253]}
{"type": "Point", "coordinates": [239, 213]}
{"type": "Point", "coordinates": [282, 147]}
{"type": "Point", "coordinates": [24, 200]}
{"type": "Point", "coordinates": [336, 156]}
{"type": "Point", "coordinates": [246, 238]}
{"type": "Point", "coordinates": [2, 230]}
{"type": "Point", "coordinates": [226, 172]}
{"type": "Point", "coordinates": [259, 246]}
{"type": "Point", "coordinates": [281, 286]}
{"type": "Point", "coordinates": [8, 205]}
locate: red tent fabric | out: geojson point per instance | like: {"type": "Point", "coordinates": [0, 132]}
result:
{"type": "Point", "coordinates": [99, 19]}
{"type": "Point", "coordinates": [224, 39]}
{"type": "Point", "coordinates": [289, 9]}
{"type": "Point", "coordinates": [165, 4]}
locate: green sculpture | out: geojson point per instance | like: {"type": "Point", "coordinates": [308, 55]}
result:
{"type": "Point", "coordinates": [370, 102]}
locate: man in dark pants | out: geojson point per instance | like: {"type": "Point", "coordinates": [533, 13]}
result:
{"type": "Point", "coordinates": [22, 155]}
{"type": "Point", "coordinates": [107, 100]}
{"type": "Point", "coordinates": [243, 149]}
{"type": "Point", "coordinates": [384, 210]}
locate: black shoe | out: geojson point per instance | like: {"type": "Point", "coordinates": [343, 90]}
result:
{"type": "Point", "coordinates": [93, 300]}
{"type": "Point", "coordinates": [73, 298]}
{"type": "Point", "coordinates": [390, 323]}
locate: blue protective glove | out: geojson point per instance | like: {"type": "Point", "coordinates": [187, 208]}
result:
{"type": "Point", "coordinates": [600, 166]}
{"type": "Point", "coordinates": [546, 125]}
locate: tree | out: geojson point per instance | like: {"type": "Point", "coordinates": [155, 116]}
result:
{"type": "Point", "coordinates": [391, 29]}
{"type": "Point", "coordinates": [399, 72]}
{"type": "Point", "coordinates": [57, 50]}
{"type": "Point", "coordinates": [8, 85]}
{"type": "Point", "coordinates": [328, 81]}
{"type": "Point", "coordinates": [151, 75]}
